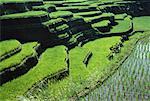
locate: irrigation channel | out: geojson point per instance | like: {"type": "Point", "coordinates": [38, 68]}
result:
{"type": "Point", "coordinates": [131, 82]}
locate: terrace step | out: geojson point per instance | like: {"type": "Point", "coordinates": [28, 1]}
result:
{"type": "Point", "coordinates": [46, 69]}
{"type": "Point", "coordinates": [25, 15]}
{"type": "Point", "coordinates": [76, 9]}
{"type": "Point", "coordinates": [9, 48]}
{"type": "Point", "coordinates": [104, 16]}
{"type": "Point", "coordinates": [61, 14]}
{"type": "Point", "coordinates": [76, 21]}
{"type": "Point", "coordinates": [102, 26]}
{"type": "Point", "coordinates": [120, 16]}
{"type": "Point", "coordinates": [77, 24]}
{"type": "Point", "coordinates": [123, 27]}
{"type": "Point", "coordinates": [19, 63]}
{"type": "Point", "coordinates": [77, 4]}
{"type": "Point", "coordinates": [88, 14]}
{"type": "Point", "coordinates": [54, 22]}
{"type": "Point", "coordinates": [59, 29]}
{"type": "Point", "coordinates": [47, 7]}
{"type": "Point", "coordinates": [61, 3]}
{"type": "Point", "coordinates": [63, 36]}
{"type": "Point", "coordinates": [74, 39]}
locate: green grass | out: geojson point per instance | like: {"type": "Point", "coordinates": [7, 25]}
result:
{"type": "Point", "coordinates": [8, 46]}
{"type": "Point", "coordinates": [88, 13]}
{"type": "Point", "coordinates": [122, 26]}
{"type": "Point", "coordinates": [63, 1]}
{"type": "Point", "coordinates": [45, 7]}
{"type": "Point", "coordinates": [126, 76]}
{"type": "Point", "coordinates": [60, 14]}
{"type": "Point", "coordinates": [74, 8]}
{"type": "Point", "coordinates": [81, 76]}
{"type": "Point", "coordinates": [103, 23]}
{"type": "Point", "coordinates": [77, 4]}
{"type": "Point", "coordinates": [59, 29]}
{"type": "Point", "coordinates": [15, 60]}
{"type": "Point", "coordinates": [102, 16]}
{"type": "Point", "coordinates": [52, 61]}
{"type": "Point", "coordinates": [53, 22]}
{"type": "Point", "coordinates": [24, 15]}
{"type": "Point", "coordinates": [74, 38]}
{"type": "Point", "coordinates": [62, 36]}
{"type": "Point", "coordinates": [19, 1]}
{"type": "Point", "coordinates": [7, 1]}
{"type": "Point", "coordinates": [62, 27]}
{"type": "Point", "coordinates": [141, 23]}
{"type": "Point", "coordinates": [76, 0]}
{"type": "Point", "coordinates": [101, 7]}
{"type": "Point", "coordinates": [120, 16]}
{"type": "Point", "coordinates": [98, 69]}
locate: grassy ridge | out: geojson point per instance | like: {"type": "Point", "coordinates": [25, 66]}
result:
{"type": "Point", "coordinates": [24, 15]}
{"type": "Point", "coordinates": [19, 1]}
{"type": "Point", "coordinates": [60, 14]}
{"type": "Point", "coordinates": [103, 23]}
{"type": "Point", "coordinates": [26, 51]}
{"type": "Point", "coordinates": [141, 23]}
{"type": "Point", "coordinates": [8, 46]}
{"type": "Point", "coordinates": [105, 16]}
{"type": "Point", "coordinates": [52, 60]}
{"type": "Point", "coordinates": [122, 26]}
{"type": "Point", "coordinates": [88, 13]}
{"type": "Point", "coordinates": [53, 22]}
{"type": "Point", "coordinates": [120, 16]}
{"type": "Point", "coordinates": [81, 76]}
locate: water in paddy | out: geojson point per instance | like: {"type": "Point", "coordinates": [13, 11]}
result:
{"type": "Point", "coordinates": [131, 82]}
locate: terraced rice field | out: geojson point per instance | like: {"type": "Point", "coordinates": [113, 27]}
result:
{"type": "Point", "coordinates": [131, 80]}
{"type": "Point", "coordinates": [61, 50]}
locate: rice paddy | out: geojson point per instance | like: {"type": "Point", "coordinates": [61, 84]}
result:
{"type": "Point", "coordinates": [90, 50]}
{"type": "Point", "coordinates": [131, 80]}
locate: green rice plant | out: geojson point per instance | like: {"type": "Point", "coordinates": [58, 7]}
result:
{"type": "Point", "coordinates": [80, 76]}
{"type": "Point", "coordinates": [88, 13]}
{"type": "Point", "coordinates": [9, 46]}
{"type": "Point", "coordinates": [72, 8]}
{"type": "Point", "coordinates": [24, 15]}
{"type": "Point", "coordinates": [54, 2]}
{"type": "Point", "coordinates": [104, 6]}
{"type": "Point", "coordinates": [75, 8]}
{"type": "Point", "coordinates": [15, 60]}
{"type": "Point", "coordinates": [60, 14]}
{"type": "Point", "coordinates": [51, 62]}
{"type": "Point", "coordinates": [141, 23]}
{"type": "Point", "coordinates": [64, 2]}
{"type": "Point", "coordinates": [76, 1]}
{"type": "Point", "coordinates": [62, 36]}
{"type": "Point", "coordinates": [62, 27]}
{"type": "Point", "coordinates": [120, 16]}
{"type": "Point", "coordinates": [53, 22]}
{"type": "Point", "coordinates": [122, 26]}
{"type": "Point", "coordinates": [46, 7]}
{"type": "Point", "coordinates": [104, 16]}
{"type": "Point", "coordinates": [74, 38]}
{"type": "Point", "coordinates": [77, 4]}
{"type": "Point", "coordinates": [127, 82]}
{"type": "Point", "coordinates": [12, 1]}
{"type": "Point", "coordinates": [66, 8]}
{"type": "Point", "coordinates": [104, 23]}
